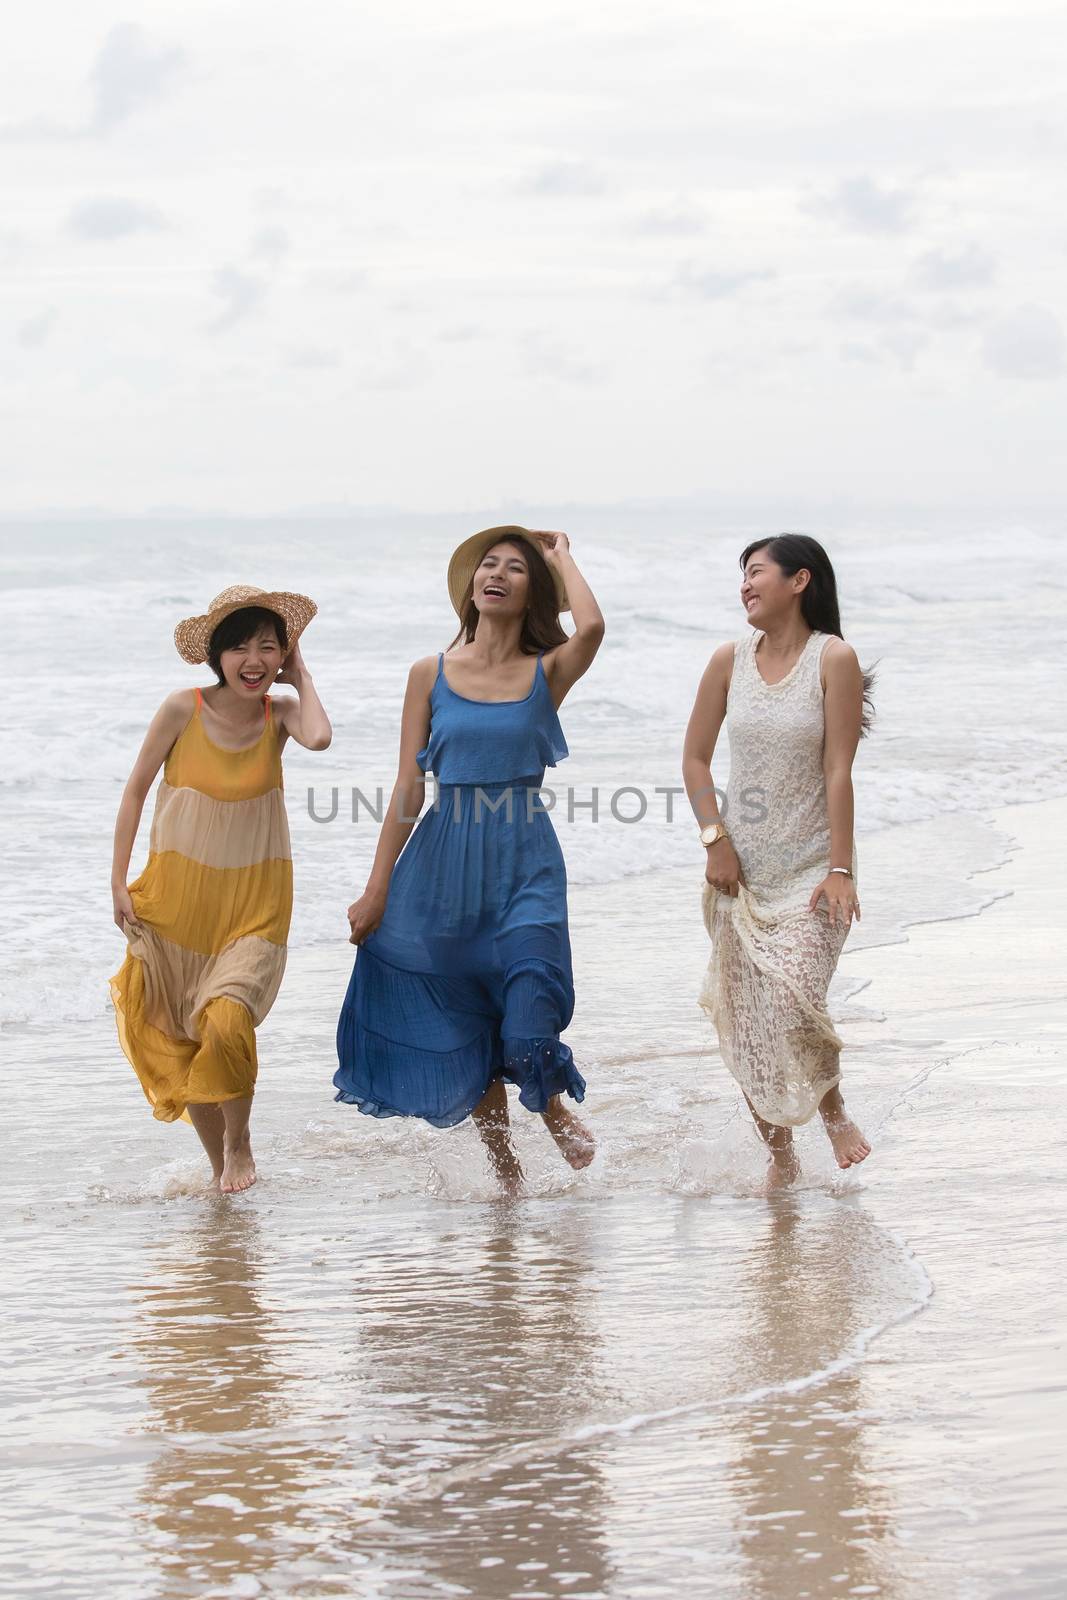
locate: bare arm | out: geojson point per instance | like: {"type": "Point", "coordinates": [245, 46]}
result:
{"type": "Point", "coordinates": [701, 736]}
{"type": "Point", "coordinates": [843, 711]}
{"type": "Point", "coordinates": [303, 719]}
{"type": "Point", "coordinates": [163, 730]}
{"type": "Point", "coordinates": [405, 803]}
{"type": "Point", "coordinates": [567, 662]}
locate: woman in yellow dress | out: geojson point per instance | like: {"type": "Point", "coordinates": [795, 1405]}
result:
{"type": "Point", "coordinates": [208, 918]}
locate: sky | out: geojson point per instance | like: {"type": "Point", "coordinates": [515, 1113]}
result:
{"type": "Point", "coordinates": [262, 258]}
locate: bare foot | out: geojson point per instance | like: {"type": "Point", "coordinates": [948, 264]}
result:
{"type": "Point", "coordinates": [782, 1170]}
{"type": "Point", "coordinates": [508, 1174]}
{"type": "Point", "coordinates": [850, 1147]}
{"type": "Point", "coordinates": [239, 1170]}
{"type": "Point", "coordinates": [491, 1119]}
{"type": "Point", "coordinates": [576, 1144]}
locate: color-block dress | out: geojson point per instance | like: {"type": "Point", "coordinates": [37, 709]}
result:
{"type": "Point", "coordinates": [468, 976]}
{"type": "Point", "coordinates": [214, 904]}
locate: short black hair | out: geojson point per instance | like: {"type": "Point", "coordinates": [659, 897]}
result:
{"type": "Point", "coordinates": [237, 628]}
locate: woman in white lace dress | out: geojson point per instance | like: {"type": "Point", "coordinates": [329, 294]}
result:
{"type": "Point", "coordinates": [780, 891]}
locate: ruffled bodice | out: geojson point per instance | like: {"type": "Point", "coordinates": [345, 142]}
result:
{"type": "Point", "coordinates": [491, 741]}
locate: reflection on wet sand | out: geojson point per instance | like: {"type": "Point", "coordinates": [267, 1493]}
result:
{"type": "Point", "coordinates": [813, 1520]}
{"type": "Point", "coordinates": [488, 1344]}
{"type": "Point", "coordinates": [222, 1498]}
{"type": "Point", "coordinates": [298, 1475]}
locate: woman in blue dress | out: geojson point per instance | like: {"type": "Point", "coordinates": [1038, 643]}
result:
{"type": "Point", "coordinates": [462, 980]}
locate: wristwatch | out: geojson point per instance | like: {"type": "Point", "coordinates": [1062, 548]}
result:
{"type": "Point", "coordinates": [713, 833]}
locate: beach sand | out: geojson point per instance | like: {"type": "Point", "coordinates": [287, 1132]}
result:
{"type": "Point", "coordinates": [370, 1377]}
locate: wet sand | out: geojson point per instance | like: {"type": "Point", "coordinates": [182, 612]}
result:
{"type": "Point", "coordinates": [370, 1377]}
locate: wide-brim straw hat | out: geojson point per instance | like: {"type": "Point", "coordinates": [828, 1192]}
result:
{"type": "Point", "coordinates": [466, 558]}
{"type": "Point", "coordinates": [193, 636]}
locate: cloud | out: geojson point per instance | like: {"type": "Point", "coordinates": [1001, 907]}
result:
{"type": "Point", "coordinates": [354, 281]}
{"type": "Point", "coordinates": [270, 243]}
{"type": "Point", "coordinates": [893, 346]}
{"type": "Point", "coordinates": [35, 331]}
{"type": "Point", "coordinates": [461, 332]}
{"type": "Point", "coordinates": [130, 71]}
{"type": "Point", "coordinates": [671, 223]}
{"type": "Point", "coordinates": [112, 217]}
{"type": "Point", "coordinates": [563, 178]}
{"type": "Point", "coordinates": [970, 267]}
{"type": "Point", "coordinates": [866, 206]}
{"type": "Point", "coordinates": [240, 293]}
{"type": "Point", "coordinates": [312, 358]}
{"type": "Point", "coordinates": [860, 304]}
{"type": "Point", "coordinates": [1028, 343]}
{"type": "Point", "coordinates": [545, 356]}
{"type": "Point", "coordinates": [709, 284]}
{"type": "Point", "coordinates": [857, 303]}
{"type": "Point", "coordinates": [900, 330]}
{"type": "Point", "coordinates": [398, 368]}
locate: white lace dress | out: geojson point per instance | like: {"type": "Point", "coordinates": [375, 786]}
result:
{"type": "Point", "coordinates": [772, 959]}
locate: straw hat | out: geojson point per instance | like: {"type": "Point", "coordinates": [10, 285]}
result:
{"type": "Point", "coordinates": [466, 558]}
{"type": "Point", "coordinates": [194, 634]}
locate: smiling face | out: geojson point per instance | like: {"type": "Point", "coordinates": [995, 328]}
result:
{"type": "Point", "coordinates": [502, 582]}
{"type": "Point", "coordinates": [767, 594]}
{"type": "Point", "coordinates": [250, 667]}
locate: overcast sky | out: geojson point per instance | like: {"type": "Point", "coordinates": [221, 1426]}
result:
{"type": "Point", "coordinates": [257, 256]}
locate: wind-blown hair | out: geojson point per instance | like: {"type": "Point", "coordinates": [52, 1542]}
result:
{"type": "Point", "coordinates": [819, 605]}
{"type": "Point", "coordinates": [541, 627]}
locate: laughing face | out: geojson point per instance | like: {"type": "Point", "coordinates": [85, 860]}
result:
{"type": "Point", "coordinates": [252, 666]}
{"type": "Point", "coordinates": [767, 594]}
{"type": "Point", "coordinates": [502, 582]}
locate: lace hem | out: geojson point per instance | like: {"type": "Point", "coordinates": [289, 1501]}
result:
{"type": "Point", "coordinates": [765, 991]}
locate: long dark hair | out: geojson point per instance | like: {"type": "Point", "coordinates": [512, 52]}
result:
{"type": "Point", "coordinates": [819, 606]}
{"type": "Point", "coordinates": [541, 627]}
{"type": "Point", "coordinates": [239, 626]}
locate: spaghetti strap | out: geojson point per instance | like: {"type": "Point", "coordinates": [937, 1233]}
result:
{"type": "Point", "coordinates": [266, 710]}
{"type": "Point", "coordinates": [199, 701]}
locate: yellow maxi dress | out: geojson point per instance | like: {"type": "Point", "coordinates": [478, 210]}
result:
{"type": "Point", "coordinates": [213, 903]}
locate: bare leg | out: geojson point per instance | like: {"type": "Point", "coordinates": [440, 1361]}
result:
{"type": "Point", "coordinates": [491, 1119]}
{"type": "Point", "coordinates": [208, 1122]}
{"type": "Point", "coordinates": [239, 1170]}
{"type": "Point", "coordinates": [576, 1143]}
{"type": "Point", "coordinates": [850, 1147]}
{"type": "Point", "coordinates": [785, 1166]}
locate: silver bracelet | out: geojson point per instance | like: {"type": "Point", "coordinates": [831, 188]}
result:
{"type": "Point", "coordinates": [847, 871]}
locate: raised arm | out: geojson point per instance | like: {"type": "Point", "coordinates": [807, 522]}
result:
{"type": "Point", "coordinates": [843, 714]}
{"type": "Point", "coordinates": [304, 718]}
{"type": "Point", "coordinates": [567, 662]}
{"type": "Point", "coordinates": [405, 803]}
{"type": "Point", "coordinates": [163, 730]}
{"type": "Point", "coordinates": [723, 869]}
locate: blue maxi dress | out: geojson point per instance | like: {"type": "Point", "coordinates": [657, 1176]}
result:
{"type": "Point", "coordinates": [467, 977]}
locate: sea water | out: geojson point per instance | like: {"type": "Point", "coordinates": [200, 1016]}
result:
{"type": "Point", "coordinates": [370, 1376]}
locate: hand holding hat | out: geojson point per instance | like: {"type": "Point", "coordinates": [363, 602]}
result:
{"type": "Point", "coordinates": [467, 557]}
{"type": "Point", "coordinates": [193, 636]}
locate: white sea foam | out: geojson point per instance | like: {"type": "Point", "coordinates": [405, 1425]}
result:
{"type": "Point", "coordinates": [963, 716]}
